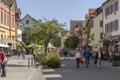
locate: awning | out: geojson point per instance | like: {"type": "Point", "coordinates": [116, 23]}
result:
{"type": "Point", "coordinates": [5, 41]}
{"type": "Point", "coordinates": [118, 43]}
{"type": "Point", "coordinates": [3, 45]}
{"type": "Point", "coordinates": [117, 37]}
{"type": "Point", "coordinates": [33, 45]}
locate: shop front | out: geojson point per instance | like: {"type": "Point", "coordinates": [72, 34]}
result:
{"type": "Point", "coordinates": [112, 44]}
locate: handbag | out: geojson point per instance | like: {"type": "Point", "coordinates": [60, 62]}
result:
{"type": "Point", "coordinates": [81, 60]}
{"type": "Point", "coordinates": [95, 61]}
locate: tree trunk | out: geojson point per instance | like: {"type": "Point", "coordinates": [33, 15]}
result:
{"type": "Point", "coordinates": [46, 48]}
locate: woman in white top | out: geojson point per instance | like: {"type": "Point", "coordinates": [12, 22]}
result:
{"type": "Point", "coordinates": [77, 56]}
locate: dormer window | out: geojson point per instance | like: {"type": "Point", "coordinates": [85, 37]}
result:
{"type": "Point", "coordinates": [27, 21]}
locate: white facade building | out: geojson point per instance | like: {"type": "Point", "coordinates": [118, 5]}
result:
{"type": "Point", "coordinates": [111, 29]}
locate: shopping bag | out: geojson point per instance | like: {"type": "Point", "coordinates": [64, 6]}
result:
{"type": "Point", "coordinates": [95, 61]}
{"type": "Point", "coordinates": [81, 60]}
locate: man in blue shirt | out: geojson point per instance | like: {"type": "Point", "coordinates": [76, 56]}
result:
{"type": "Point", "coordinates": [87, 55]}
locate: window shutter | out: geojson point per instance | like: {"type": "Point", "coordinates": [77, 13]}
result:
{"type": "Point", "coordinates": [101, 23]}
{"type": "Point", "coordinates": [116, 24]}
{"type": "Point", "coordinates": [116, 6]}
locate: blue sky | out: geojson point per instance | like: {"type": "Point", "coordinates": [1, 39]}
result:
{"type": "Point", "coordinates": [62, 10]}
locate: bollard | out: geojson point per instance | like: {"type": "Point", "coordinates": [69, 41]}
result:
{"type": "Point", "coordinates": [28, 63]}
{"type": "Point", "coordinates": [31, 61]}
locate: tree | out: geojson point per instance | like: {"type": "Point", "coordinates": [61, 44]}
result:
{"type": "Point", "coordinates": [57, 41]}
{"type": "Point", "coordinates": [47, 31]}
{"type": "Point", "coordinates": [26, 36]}
{"type": "Point", "coordinates": [72, 42]}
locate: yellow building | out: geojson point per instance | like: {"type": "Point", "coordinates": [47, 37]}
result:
{"type": "Point", "coordinates": [8, 10]}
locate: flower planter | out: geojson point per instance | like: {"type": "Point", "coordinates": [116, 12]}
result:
{"type": "Point", "coordinates": [115, 63]}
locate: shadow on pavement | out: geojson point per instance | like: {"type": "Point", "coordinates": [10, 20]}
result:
{"type": "Point", "coordinates": [16, 65]}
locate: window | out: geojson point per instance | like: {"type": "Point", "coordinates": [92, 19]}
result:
{"type": "Point", "coordinates": [112, 8]}
{"type": "Point", "coordinates": [27, 21]}
{"type": "Point", "coordinates": [106, 12]}
{"type": "Point", "coordinates": [1, 36]}
{"type": "Point", "coordinates": [116, 25]}
{"type": "Point", "coordinates": [109, 27]}
{"type": "Point", "coordinates": [116, 6]}
{"type": "Point", "coordinates": [4, 36]}
{"type": "Point", "coordinates": [112, 26]}
{"type": "Point", "coordinates": [13, 21]}
{"type": "Point", "coordinates": [8, 20]}
{"type": "Point", "coordinates": [106, 28]}
{"type": "Point", "coordinates": [101, 23]}
{"type": "Point", "coordinates": [5, 18]}
{"type": "Point", "coordinates": [1, 16]}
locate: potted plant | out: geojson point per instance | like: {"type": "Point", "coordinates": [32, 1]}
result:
{"type": "Point", "coordinates": [116, 60]}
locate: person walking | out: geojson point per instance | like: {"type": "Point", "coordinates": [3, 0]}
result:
{"type": "Point", "coordinates": [3, 62]}
{"type": "Point", "coordinates": [99, 56]}
{"type": "Point", "coordinates": [77, 56]}
{"type": "Point", "coordinates": [19, 52]}
{"type": "Point", "coordinates": [111, 55]}
{"type": "Point", "coordinates": [87, 55]}
{"type": "Point", "coordinates": [23, 53]}
{"type": "Point", "coordinates": [65, 53]}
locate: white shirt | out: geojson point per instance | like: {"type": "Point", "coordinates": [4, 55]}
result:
{"type": "Point", "coordinates": [99, 54]}
{"type": "Point", "coordinates": [77, 55]}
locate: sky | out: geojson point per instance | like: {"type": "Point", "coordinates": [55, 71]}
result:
{"type": "Point", "coordinates": [61, 10]}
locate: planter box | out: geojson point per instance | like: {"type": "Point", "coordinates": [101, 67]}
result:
{"type": "Point", "coordinates": [115, 63]}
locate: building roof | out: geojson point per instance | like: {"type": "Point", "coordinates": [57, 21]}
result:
{"type": "Point", "coordinates": [105, 2]}
{"type": "Point", "coordinates": [30, 18]}
{"type": "Point", "coordinates": [11, 2]}
{"type": "Point", "coordinates": [87, 16]}
{"type": "Point", "coordinates": [92, 11]}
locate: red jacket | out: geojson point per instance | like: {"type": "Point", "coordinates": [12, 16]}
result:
{"type": "Point", "coordinates": [2, 57]}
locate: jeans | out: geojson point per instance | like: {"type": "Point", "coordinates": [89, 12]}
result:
{"type": "Point", "coordinates": [78, 62]}
{"type": "Point", "coordinates": [3, 69]}
{"type": "Point", "coordinates": [87, 62]}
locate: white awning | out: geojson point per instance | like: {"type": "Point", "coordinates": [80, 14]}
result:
{"type": "Point", "coordinates": [50, 46]}
{"type": "Point", "coordinates": [5, 41]}
{"type": "Point", "coordinates": [3, 45]}
{"type": "Point", "coordinates": [118, 43]}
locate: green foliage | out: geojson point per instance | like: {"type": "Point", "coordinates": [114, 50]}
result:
{"type": "Point", "coordinates": [88, 33]}
{"type": "Point", "coordinates": [26, 36]}
{"type": "Point", "coordinates": [57, 41]}
{"type": "Point", "coordinates": [53, 61]}
{"type": "Point", "coordinates": [116, 58]}
{"type": "Point", "coordinates": [43, 33]}
{"type": "Point", "coordinates": [41, 59]}
{"type": "Point", "coordinates": [72, 42]}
